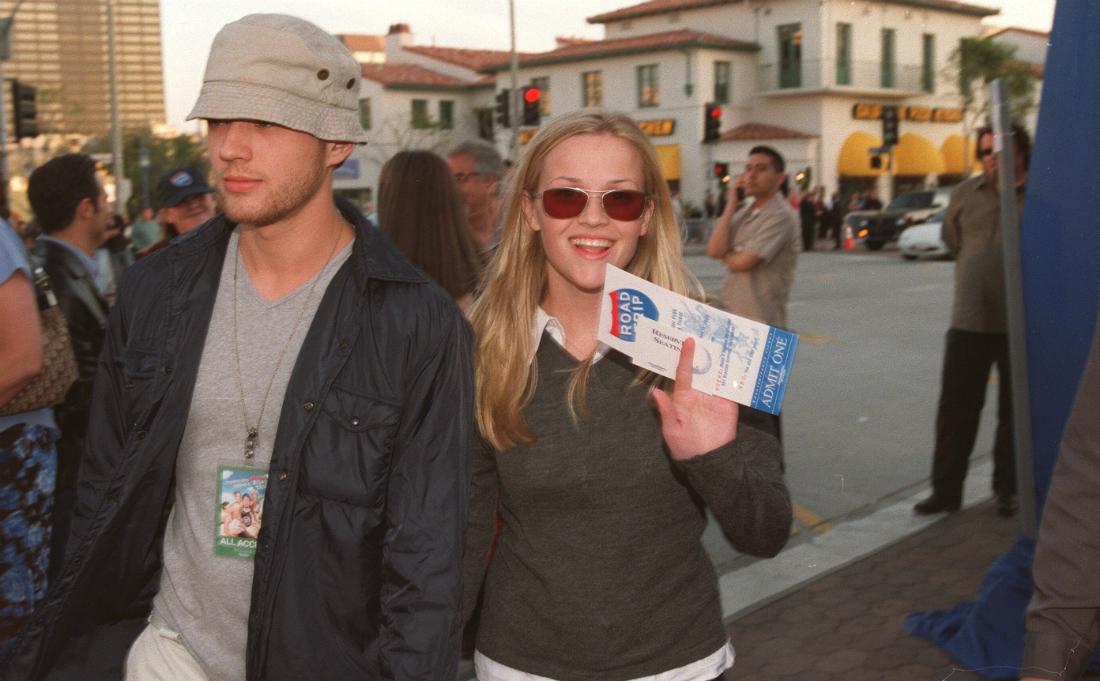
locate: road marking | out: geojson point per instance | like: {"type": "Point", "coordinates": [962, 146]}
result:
{"type": "Point", "coordinates": [815, 339]}
{"type": "Point", "coordinates": [810, 520]}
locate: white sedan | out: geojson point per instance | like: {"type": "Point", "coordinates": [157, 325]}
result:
{"type": "Point", "coordinates": [924, 239]}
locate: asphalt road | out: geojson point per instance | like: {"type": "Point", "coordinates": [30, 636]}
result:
{"type": "Point", "coordinates": [860, 406]}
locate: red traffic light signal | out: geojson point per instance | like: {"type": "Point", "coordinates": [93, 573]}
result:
{"type": "Point", "coordinates": [532, 105]}
{"type": "Point", "coordinates": [712, 122]}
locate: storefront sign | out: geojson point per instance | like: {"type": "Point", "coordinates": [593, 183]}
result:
{"type": "Point", "coordinates": [921, 114]}
{"type": "Point", "coordinates": [661, 127]}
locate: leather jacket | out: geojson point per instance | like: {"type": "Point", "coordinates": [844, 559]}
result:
{"type": "Point", "coordinates": [85, 312]}
{"type": "Point", "coordinates": [358, 563]}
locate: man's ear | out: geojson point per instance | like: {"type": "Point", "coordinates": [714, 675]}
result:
{"type": "Point", "coordinates": [85, 210]}
{"type": "Point", "coordinates": [337, 153]}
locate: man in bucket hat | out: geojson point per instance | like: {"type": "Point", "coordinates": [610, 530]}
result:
{"type": "Point", "coordinates": [276, 481]}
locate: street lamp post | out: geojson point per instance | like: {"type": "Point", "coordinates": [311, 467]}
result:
{"type": "Point", "coordinates": [143, 161]}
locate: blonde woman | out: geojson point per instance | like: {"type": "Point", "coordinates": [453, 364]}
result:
{"type": "Point", "coordinates": [600, 480]}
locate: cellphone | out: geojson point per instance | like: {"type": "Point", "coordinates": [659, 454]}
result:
{"type": "Point", "coordinates": [740, 193]}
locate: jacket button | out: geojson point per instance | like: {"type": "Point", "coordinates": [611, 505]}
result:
{"type": "Point", "coordinates": [140, 435]}
{"type": "Point", "coordinates": [281, 475]}
{"type": "Point", "coordinates": [308, 406]}
{"type": "Point", "coordinates": [355, 422]}
{"type": "Point", "coordinates": [345, 345]}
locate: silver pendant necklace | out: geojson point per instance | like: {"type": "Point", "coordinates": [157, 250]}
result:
{"type": "Point", "coordinates": [252, 433]}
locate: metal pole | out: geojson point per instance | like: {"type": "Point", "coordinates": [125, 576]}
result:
{"type": "Point", "coordinates": [116, 126]}
{"type": "Point", "coordinates": [513, 104]}
{"type": "Point", "coordinates": [143, 161]}
{"type": "Point", "coordinates": [1005, 145]}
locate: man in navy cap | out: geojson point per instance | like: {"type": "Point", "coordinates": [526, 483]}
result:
{"type": "Point", "coordinates": [185, 200]}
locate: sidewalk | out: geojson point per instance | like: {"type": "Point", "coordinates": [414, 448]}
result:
{"type": "Point", "coordinates": [848, 624]}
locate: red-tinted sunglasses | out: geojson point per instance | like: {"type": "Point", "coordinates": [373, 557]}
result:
{"type": "Point", "coordinates": [569, 202]}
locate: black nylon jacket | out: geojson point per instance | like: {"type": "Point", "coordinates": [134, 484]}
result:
{"type": "Point", "coordinates": [358, 567]}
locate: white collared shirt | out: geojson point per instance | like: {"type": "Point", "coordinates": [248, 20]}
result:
{"type": "Point", "coordinates": [551, 325]}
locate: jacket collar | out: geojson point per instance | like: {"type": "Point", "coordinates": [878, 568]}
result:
{"type": "Point", "coordinates": [373, 255]}
{"type": "Point", "coordinates": [75, 262]}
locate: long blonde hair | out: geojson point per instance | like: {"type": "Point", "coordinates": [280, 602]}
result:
{"type": "Point", "coordinates": [502, 316]}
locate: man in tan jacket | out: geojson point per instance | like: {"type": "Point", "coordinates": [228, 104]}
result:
{"type": "Point", "coordinates": [978, 336]}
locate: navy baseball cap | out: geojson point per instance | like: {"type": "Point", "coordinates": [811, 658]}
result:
{"type": "Point", "coordinates": [180, 183]}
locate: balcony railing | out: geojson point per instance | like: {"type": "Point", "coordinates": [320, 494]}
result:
{"type": "Point", "coordinates": [817, 74]}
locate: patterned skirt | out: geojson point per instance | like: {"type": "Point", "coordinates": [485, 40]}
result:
{"type": "Point", "coordinates": [28, 469]}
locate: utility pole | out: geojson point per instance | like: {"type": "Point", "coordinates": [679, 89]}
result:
{"type": "Point", "coordinates": [514, 103]}
{"type": "Point", "coordinates": [116, 126]}
{"type": "Point", "coordinates": [5, 54]}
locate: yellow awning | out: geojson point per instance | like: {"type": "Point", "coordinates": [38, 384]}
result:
{"type": "Point", "coordinates": [668, 155]}
{"type": "Point", "coordinates": [854, 160]}
{"type": "Point", "coordinates": [956, 159]}
{"type": "Point", "coordinates": [915, 155]}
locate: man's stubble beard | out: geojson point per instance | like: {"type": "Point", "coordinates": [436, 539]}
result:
{"type": "Point", "coordinates": [284, 197]}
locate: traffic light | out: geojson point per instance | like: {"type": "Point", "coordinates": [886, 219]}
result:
{"type": "Point", "coordinates": [531, 105]}
{"type": "Point", "coordinates": [889, 126]}
{"type": "Point", "coordinates": [712, 122]}
{"type": "Point", "coordinates": [721, 170]}
{"type": "Point", "coordinates": [504, 108]}
{"type": "Point", "coordinates": [25, 106]}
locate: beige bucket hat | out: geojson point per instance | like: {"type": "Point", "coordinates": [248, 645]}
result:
{"type": "Point", "coordinates": [281, 69]}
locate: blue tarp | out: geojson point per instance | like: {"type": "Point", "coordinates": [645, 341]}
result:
{"type": "Point", "coordinates": [1060, 252]}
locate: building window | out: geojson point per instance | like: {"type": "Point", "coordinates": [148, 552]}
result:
{"type": "Point", "coordinates": [790, 55]}
{"type": "Point", "coordinates": [592, 88]}
{"type": "Point", "coordinates": [843, 54]}
{"type": "Point", "coordinates": [364, 113]}
{"type": "Point", "coordinates": [420, 118]}
{"type": "Point", "coordinates": [485, 123]}
{"type": "Point", "coordinates": [722, 82]}
{"type": "Point", "coordinates": [446, 114]}
{"type": "Point", "coordinates": [543, 85]}
{"type": "Point", "coordinates": [888, 43]}
{"type": "Point", "coordinates": [928, 63]}
{"type": "Point", "coordinates": [649, 89]}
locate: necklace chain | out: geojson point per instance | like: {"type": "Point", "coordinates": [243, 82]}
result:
{"type": "Point", "coordinates": [253, 432]}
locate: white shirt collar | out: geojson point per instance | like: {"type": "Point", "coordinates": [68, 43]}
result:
{"type": "Point", "coordinates": [544, 322]}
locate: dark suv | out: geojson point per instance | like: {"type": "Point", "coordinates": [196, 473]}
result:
{"type": "Point", "coordinates": [876, 228]}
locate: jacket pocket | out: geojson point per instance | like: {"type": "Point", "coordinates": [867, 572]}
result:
{"type": "Point", "coordinates": [348, 453]}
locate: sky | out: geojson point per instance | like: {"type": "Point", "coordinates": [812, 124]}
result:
{"type": "Point", "coordinates": [189, 27]}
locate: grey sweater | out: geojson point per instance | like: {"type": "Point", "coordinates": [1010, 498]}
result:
{"type": "Point", "coordinates": [600, 572]}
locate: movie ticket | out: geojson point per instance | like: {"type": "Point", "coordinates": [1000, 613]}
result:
{"type": "Point", "coordinates": [735, 358]}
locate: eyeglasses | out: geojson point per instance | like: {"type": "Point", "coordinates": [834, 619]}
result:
{"type": "Point", "coordinates": [569, 202]}
{"type": "Point", "coordinates": [985, 151]}
{"type": "Point", "coordinates": [462, 177]}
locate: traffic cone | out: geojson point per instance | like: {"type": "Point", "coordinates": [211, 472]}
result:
{"type": "Point", "coordinates": [849, 240]}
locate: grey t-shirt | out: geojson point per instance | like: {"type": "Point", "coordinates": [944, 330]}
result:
{"type": "Point", "coordinates": [205, 596]}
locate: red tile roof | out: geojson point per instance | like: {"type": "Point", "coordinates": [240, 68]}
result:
{"type": "Point", "coordinates": [654, 7]}
{"type": "Point", "coordinates": [762, 131]}
{"type": "Point", "coordinates": [471, 59]}
{"type": "Point", "coordinates": [655, 42]}
{"type": "Point", "coordinates": [1016, 29]}
{"type": "Point", "coordinates": [665, 6]}
{"type": "Point", "coordinates": [363, 43]}
{"type": "Point", "coordinates": [411, 76]}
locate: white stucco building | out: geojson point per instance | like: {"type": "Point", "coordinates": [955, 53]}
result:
{"type": "Point", "coordinates": [808, 77]}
